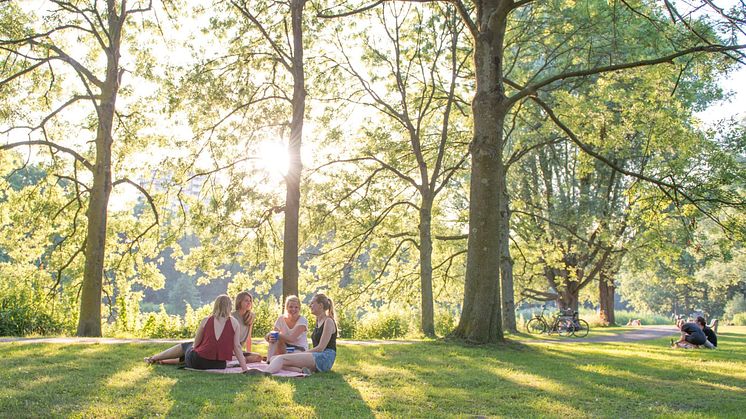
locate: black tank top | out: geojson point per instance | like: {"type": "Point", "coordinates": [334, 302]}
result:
{"type": "Point", "coordinates": [316, 337]}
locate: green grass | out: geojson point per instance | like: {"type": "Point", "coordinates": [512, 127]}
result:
{"type": "Point", "coordinates": [424, 379]}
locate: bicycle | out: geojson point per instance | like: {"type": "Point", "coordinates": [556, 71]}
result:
{"type": "Point", "coordinates": [565, 324]}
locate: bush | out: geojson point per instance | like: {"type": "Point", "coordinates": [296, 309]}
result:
{"type": "Point", "coordinates": [21, 315]}
{"type": "Point", "coordinates": [445, 321]}
{"type": "Point", "coordinates": [348, 325]}
{"type": "Point", "coordinates": [740, 319]}
{"type": "Point", "coordinates": [387, 324]}
{"type": "Point", "coordinates": [735, 305]}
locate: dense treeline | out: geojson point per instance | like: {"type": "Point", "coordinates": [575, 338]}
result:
{"type": "Point", "coordinates": [458, 160]}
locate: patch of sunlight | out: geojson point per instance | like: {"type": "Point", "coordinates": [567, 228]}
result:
{"type": "Point", "coordinates": [720, 386]}
{"type": "Point", "coordinates": [609, 371]}
{"type": "Point", "coordinates": [369, 393]}
{"type": "Point", "coordinates": [125, 379]}
{"type": "Point", "coordinates": [547, 406]}
{"type": "Point", "coordinates": [525, 379]}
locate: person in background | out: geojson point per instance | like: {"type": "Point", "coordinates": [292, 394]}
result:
{"type": "Point", "coordinates": [712, 339]}
{"type": "Point", "coordinates": [290, 330]}
{"type": "Point", "coordinates": [216, 341]}
{"type": "Point", "coordinates": [245, 316]}
{"type": "Point", "coordinates": [691, 334]}
{"type": "Point", "coordinates": [319, 358]}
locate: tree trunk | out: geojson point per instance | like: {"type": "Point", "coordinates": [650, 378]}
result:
{"type": "Point", "coordinates": [506, 266]}
{"type": "Point", "coordinates": [481, 316]}
{"type": "Point", "coordinates": [89, 321]}
{"type": "Point", "coordinates": [569, 296]}
{"type": "Point", "coordinates": [292, 179]}
{"type": "Point", "coordinates": [606, 300]}
{"type": "Point", "coordinates": [426, 266]}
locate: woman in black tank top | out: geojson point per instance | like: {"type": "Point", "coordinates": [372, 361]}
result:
{"type": "Point", "coordinates": [324, 337]}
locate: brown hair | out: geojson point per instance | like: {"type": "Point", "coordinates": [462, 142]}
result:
{"type": "Point", "coordinates": [239, 299]}
{"type": "Point", "coordinates": [326, 302]}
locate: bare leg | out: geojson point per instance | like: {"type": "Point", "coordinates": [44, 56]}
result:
{"type": "Point", "coordinates": [173, 352]}
{"type": "Point", "coordinates": [296, 360]}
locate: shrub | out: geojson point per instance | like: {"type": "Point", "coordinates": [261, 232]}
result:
{"type": "Point", "coordinates": [445, 321]}
{"type": "Point", "coordinates": [735, 305]}
{"type": "Point", "coordinates": [21, 315]}
{"type": "Point", "coordinates": [387, 324]}
{"type": "Point", "coordinates": [740, 319]}
{"type": "Point", "coordinates": [348, 325]}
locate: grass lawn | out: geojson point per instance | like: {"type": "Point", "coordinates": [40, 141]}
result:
{"type": "Point", "coordinates": [424, 379]}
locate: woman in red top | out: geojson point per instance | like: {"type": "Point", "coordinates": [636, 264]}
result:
{"type": "Point", "coordinates": [216, 341]}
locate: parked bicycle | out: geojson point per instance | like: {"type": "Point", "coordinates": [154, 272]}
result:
{"type": "Point", "coordinates": [564, 323]}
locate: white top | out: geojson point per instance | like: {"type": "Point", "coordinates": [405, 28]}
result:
{"type": "Point", "coordinates": [243, 330]}
{"type": "Point", "coordinates": [302, 340]}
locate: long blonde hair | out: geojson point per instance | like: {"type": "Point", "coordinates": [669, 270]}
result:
{"type": "Point", "coordinates": [239, 299]}
{"type": "Point", "coordinates": [222, 306]}
{"type": "Point", "coordinates": [327, 303]}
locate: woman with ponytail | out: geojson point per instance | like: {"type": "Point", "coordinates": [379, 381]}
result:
{"type": "Point", "coordinates": [324, 337]}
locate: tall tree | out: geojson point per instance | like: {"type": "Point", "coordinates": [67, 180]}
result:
{"type": "Point", "coordinates": [412, 148]}
{"type": "Point", "coordinates": [42, 52]}
{"type": "Point", "coordinates": [579, 34]}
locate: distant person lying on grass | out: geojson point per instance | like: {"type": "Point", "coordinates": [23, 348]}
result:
{"type": "Point", "coordinates": [324, 337]}
{"type": "Point", "coordinates": [245, 317]}
{"type": "Point", "coordinates": [692, 335]}
{"type": "Point", "coordinates": [634, 322]}
{"type": "Point", "coordinates": [712, 338]}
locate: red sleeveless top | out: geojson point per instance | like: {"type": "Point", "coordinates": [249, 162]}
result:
{"type": "Point", "coordinates": [216, 350]}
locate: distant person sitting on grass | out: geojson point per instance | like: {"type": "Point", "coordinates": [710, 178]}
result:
{"type": "Point", "coordinates": [324, 337]}
{"type": "Point", "coordinates": [712, 339]}
{"type": "Point", "coordinates": [290, 330]}
{"type": "Point", "coordinates": [245, 317]}
{"type": "Point", "coordinates": [692, 335]}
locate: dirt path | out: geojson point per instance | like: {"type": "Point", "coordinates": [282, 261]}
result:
{"type": "Point", "coordinates": [632, 335]}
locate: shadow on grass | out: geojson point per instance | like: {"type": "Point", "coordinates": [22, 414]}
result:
{"type": "Point", "coordinates": [640, 379]}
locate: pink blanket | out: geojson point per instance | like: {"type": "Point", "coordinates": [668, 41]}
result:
{"type": "Point", "coordinates": [234, 368]}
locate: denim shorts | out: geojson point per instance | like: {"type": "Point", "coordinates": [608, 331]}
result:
{"type": "Point", "coordinates": [324, 360]}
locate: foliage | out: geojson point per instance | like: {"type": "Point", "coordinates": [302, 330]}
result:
{"type": "Point", "coordinates": [739, 319]}
{"type": "Point", "coordinates": [25, 313]}
{"type": "Point", "coordinates": [735, 305]}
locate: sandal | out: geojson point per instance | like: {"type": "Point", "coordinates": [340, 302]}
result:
{"type": "Point", "coordinates": [149, 360]}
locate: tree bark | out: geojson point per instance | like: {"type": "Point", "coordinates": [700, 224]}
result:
{"type": "Point", "coordinates": [481, 316]}
{"type": "Point", "coordinates": [295, 167]}
{"type": "Point", "coordinates": [506, 265]}
{"type": "Point", "coordinates": [606, 300]}
{"type": "Point", "coordinates": [89, 322]}
{"type": "Point", "coordinates": [426, 266]}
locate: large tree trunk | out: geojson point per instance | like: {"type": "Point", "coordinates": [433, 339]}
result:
{"type": "Point", "coordinates": [506, 265]}
{"type": "Point", "coordinates": [569, 296]}
{"type": "Point", "coordinates": [89, 322]}
{"type": "Point", "coordinates": [606, 300]}
{"type": "Point", "coordinates": [481, 316]}
{"type": "Point", "coordinates": [426, 266]}
{"type": "Point", "coordinates": [292, 179]}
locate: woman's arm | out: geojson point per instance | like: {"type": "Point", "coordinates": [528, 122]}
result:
{"type": "Point", "coordinates": [297, 330]}
{"type": "Point", "coordinates": [200, 332]}
{"type": "Point", "coordinates": [329, 328]}
{"type": "Point", "coordinates": [237, 351]}
{"type": "Point", "coordinates": [252, 316]}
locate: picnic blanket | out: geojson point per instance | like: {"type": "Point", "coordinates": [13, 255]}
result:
{"type": "Point", "coordinates": [234, 368]}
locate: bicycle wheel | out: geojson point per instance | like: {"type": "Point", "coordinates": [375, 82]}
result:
{"type": "Point", "coordinates": [536, 326]}
{"type": "Point", "coordinates": [581, 328]}
{"type": "Point", "coordinates": [565, 327]}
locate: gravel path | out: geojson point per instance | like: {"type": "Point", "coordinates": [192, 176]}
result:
{"type": "Point", "coordinates": [632, 335]}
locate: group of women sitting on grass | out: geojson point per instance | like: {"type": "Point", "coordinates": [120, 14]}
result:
{"type": "Point", "coordinates": [220, 336]}
{"type": "Point", "coordinates": [696, 334]}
